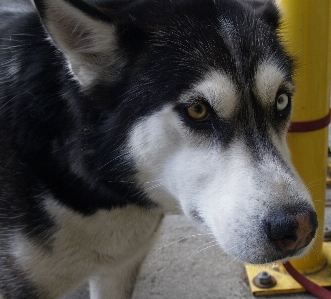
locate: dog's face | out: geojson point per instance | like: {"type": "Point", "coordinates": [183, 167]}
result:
{"type": "Point", "coordinates": [196, 97]}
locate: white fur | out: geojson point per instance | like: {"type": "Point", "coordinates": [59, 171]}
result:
{"type": "Point", "coordinates": [106, 248]}
{"type": "Point", "coordinates": [152, 142]}
{"type": "Point", "coordinates": [226, 187]}
{"type": "Point", "coordinates": [268, 79]}
{"type": "Point", "coordinates": [217, 88]}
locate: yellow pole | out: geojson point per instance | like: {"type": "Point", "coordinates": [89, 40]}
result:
{"type": "Point", "coordinates": [308, 36]}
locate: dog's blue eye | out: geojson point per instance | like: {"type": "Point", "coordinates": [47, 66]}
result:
{"type": "Point", "coordinates": [282, 102]}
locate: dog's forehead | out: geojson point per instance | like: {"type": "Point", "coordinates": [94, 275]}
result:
{"type": "Point", "coordinates": [224, 93]}
{"type": "Point", "coordinates": [236, 41]}
{"type": "Point", "coordinates": [211, 29]}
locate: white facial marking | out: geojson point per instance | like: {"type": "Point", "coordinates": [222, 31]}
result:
{"type": "Point", "coordinates": [217, 89]}
{"type": "Point", "coordinates": [269, 77]}
{"type": "Point", "coordinates": [151, 142]}
{"type": "Point", "coordinates": [227, 187]}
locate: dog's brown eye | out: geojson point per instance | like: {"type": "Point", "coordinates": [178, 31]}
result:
{"type": "Point", "coordinates": [198, 111]}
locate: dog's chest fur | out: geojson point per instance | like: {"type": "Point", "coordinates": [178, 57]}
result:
{"type": "Point", "coordinates": [85, 246]}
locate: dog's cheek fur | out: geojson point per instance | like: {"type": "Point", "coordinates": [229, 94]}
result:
{"type": "Point", "coordinates": [153, 142]}
{"type": "Point", "coordinates": [241, 196]}
{"type": "Point", "coordinates": [224, 189]}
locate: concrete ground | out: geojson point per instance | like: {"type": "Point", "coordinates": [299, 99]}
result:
{"type": "Point", "coordinates": [179, 267]}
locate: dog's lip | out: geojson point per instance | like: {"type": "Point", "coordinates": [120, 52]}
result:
{"type": "Point", "coordinates": [275, 257]}
{"type": "Point", "coordinates": [271, 254]}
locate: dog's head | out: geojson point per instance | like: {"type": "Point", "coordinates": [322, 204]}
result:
{"type": "Point", "coordinates": [194, 100]}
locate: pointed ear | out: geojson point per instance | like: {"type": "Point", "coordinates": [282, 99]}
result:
{"type": "Point", "coordinates": [87, 36]}
{"type": "Point", "coordinates": [267, 10]}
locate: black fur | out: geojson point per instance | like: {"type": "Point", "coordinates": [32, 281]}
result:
{"type": "Point", "coordinates": [59, 140]}
{"type": "Point", "coordinates": [48, 118]}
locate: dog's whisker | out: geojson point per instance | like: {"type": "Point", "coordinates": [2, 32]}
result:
{"type": "Point", "coordinates": [116, 158]}
{"type": "Point", "coordinates": [236, 259]}
{"type": "Point", "coordinates": [21, 34]}
{"type": "Point", "coordinates": [200, 249]}
{"type": "Point", "coordinates": [182, 239]}
{"type": "Point", "coordinates": [153, 187]}
{"type": "Point", "coordinates": [133, 182]}
{"type": "Point", "coordinates": [6, 103]}
{"type": "Point", "coordinates": [125, 182]}
{"type": "Point", "coordinates": [312, 183]}
{"type": "Point", "coordinates": [224, 251]}
{"type": "Point", "coordinates": [150, 182]}
{"type": "Point", "coordinates": [147, 189]}
{"type": "Point", "coordinates": [126, 152]}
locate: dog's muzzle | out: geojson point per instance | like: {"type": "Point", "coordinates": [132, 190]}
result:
{"type": "Point", "coordinates": [291, 231]}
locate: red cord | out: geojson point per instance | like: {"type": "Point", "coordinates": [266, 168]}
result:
{"type": "Point", "coordinates": [309, 286]}
{"type": "Point", "coordinates": [312, 125]}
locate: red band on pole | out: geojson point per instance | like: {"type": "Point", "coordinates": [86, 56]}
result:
{"type": "Point", "coordinates": [309, 286]}
{"type": "Point", "coordinates": [308, 126]}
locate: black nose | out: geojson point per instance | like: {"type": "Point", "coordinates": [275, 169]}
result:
{"type": "Point", "coordinates": [290, 231]}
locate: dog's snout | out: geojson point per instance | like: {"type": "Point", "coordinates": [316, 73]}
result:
{"type": "Point", "coordinates": [291, 232]}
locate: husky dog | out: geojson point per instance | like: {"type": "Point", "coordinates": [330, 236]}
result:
{"type": "Point", "coordinates": [115, 113]}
